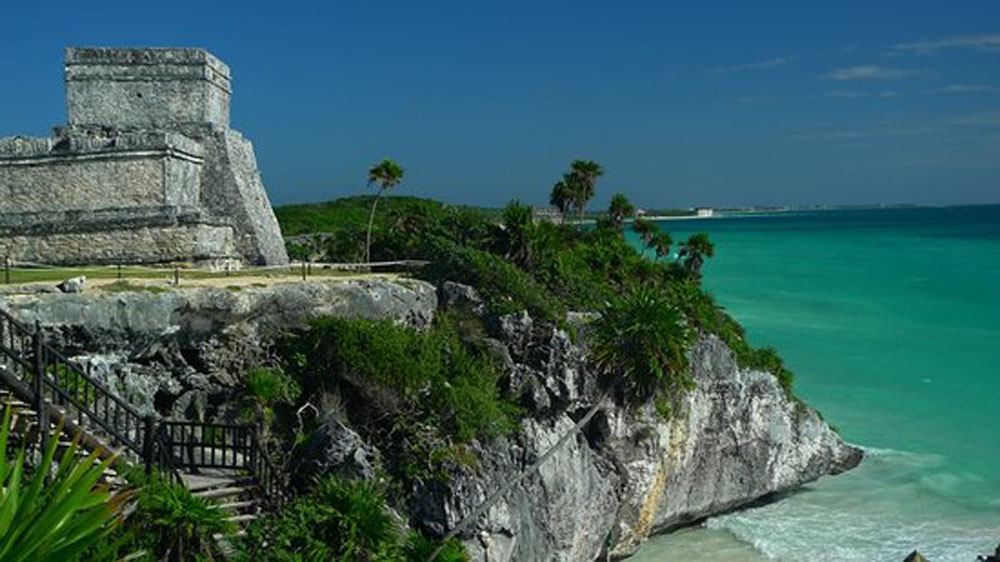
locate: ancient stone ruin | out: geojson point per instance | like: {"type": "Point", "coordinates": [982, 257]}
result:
{"type": "Point", "coordinates": [146, 171]}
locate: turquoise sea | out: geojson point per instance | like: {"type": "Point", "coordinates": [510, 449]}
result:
{"type": "Point", "coordinates": [890, 319]}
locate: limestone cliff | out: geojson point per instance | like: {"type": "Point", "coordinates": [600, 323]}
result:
{"type": "Point", "coordinates": [733, 440]}
{"type": "Point", "coordinates": [628, 474]}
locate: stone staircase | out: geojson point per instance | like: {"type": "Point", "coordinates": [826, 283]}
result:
{"type": "Point", "coordinates": [44, 390]}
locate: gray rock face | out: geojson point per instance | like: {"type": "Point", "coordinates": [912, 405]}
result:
{"type": "Point", "coordinates": [181, 351]}
{"type": "Point", "coordinates": [629, 473]}
{"type": "Point", "coordinates": [335, 449]}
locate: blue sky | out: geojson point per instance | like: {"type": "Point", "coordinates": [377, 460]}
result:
{"type": "Point", "coordinates": [707, 103]}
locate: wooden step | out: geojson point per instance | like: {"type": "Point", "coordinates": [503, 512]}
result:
{"type": "Point", "coordinates": [243, 518]}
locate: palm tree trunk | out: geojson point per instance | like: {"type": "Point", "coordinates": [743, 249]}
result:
{"type": "Point", "coordinates": [371, 221]}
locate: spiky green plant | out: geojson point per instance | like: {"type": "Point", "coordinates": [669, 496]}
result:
{"type": "Point", "coordinates": [176, 525]}
{"type": "Point", "coordinates": [644, 339]}
{"type": "Point", "coordinates": [57, 519]}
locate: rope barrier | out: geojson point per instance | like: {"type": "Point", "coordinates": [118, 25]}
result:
{"type": "Point", "coordinates": [490, 501]}
{"type": "Point", "coordinates": [124, 269]}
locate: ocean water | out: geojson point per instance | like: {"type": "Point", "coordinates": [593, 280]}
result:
{"type": "Point", "coordinates": [891, 321]}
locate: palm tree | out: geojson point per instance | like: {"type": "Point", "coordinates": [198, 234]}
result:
{"type": "Point", "coordinates": [561, 198]}
{"type": "Point", "coordinates": [620, 208]}
{"type": "Point", "coordinates": [645, 229]}
{"type": "Point", "coordinates": [518, 223]}
{"type": "Point", "coordinates": [693, 253]}
{"type": "Point", "coordinates": [661, 243]}
{"type": "Point", "coordinates": [583, 184]}
{"type": "Point", "coordinates": [386, 174]}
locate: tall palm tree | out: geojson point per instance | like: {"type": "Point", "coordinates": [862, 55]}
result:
{"type": "Point", "coordinates": [693, 253]}
{"type": "Point", "coordinates": [561, 198]}
{"type": "Point", "coordinates": [645, 229]}
{"type": "Point", "coordinates": [584, 174]}
{"type": "Point", "coordinates": [661, 244]}
{"type": "Point", "coordinates": [619, 209]}
{"type": "Point", "coordinates": [386, 174]}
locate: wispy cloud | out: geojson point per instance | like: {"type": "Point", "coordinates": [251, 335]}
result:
{"type": "Point", "coordinates": [757, 99]}
{"type": "Point", "coordinates": [854, 94]}
{"type": "Point", "coordinates": [756, 65]}
{"type": "Point", "coordinates": [986, 41]}
{"type": "Point", "coordinates": [962, 89]}
{"type": "Point", "coordinates": [873, 72]}
{"type": "Point", "coordinates": [847, 95]}
{"type": "Point", "coordinates": [984, 119]}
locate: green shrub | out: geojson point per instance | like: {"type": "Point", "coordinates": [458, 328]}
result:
{"type": "Point", "coordinates": [173, 523]}
{"type": "Point", "coordinates": [643, 338]}
{"type": "Point", "coordinates": [343, 521]}
{"type": "Point", "coordinates": [419, 549]}
{"type": "Point", "coordinates": [431, 374]}
{"type": "Point", "coordinates": [504, 287]}
{"type": "Point", "coordinates": [268, 387]}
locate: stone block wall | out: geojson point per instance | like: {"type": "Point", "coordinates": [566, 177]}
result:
{"type": "Point", "coordinates": [146, 88]}
{"type": "Point", "coordinates": [81, 174]}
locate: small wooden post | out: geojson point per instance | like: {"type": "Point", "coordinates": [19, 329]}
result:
{"type": "Point", "coordinates": [119, 272]}
{"type": "Point", "coordinates": [177, 276]}
{"type": "Point", "coordinates": [6, 270]}
{"type": "Point", "coordinates": [303, 270]}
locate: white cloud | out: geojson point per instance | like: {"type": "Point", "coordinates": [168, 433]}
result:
{"type": "Point", "coordinates": [756, 65]}
{"type": "Point", "coordinates": [985, 119]}
{"type": "Point", "coordinates": [851, 95]}
{"type": "Point", "coordinates": [987, 41]}
{"type": "Point", "coordinates": [962, 89]}
{"type": "Point", "coordinates": [854, 94]}
{"type": "Point", "coordinates": [757, 99]}
{"type": "Point", "coordinates": [873, 72]}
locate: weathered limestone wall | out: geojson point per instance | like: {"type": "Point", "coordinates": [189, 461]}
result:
{"type": "Point", "coordinates": [146, 88]}
{"type": "Point", "coordinates": [237, 191]}
{"type": "Point", "coordinates": [199, 243]}
{"type": "Point", "coordinates": [131, 170]}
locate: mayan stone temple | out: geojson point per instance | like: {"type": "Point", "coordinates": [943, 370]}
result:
{"type": "Point", "coordinates": [146, 171]}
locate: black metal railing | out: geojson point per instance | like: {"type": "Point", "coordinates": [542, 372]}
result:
{"type": "Point", "coordinates": [49, 378]}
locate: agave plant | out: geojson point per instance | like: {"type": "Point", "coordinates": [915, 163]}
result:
{"type": "Point", "coordinates": [58, 519]}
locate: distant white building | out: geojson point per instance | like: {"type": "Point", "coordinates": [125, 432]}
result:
{"type": "Point", "coordinates": [547, 214]}
{"type": "Point", "coordinates": [704, 212]}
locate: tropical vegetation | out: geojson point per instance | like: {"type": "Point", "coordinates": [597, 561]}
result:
{"type": "Point", "coordinates": [54, 515]}
{"type": "Point", "coordinates": [385, 175]}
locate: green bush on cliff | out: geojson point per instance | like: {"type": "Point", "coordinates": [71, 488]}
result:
{"type": "Point", "coordinates": [644, 339]}
{"type": "Point", "coordinates": [429, 376]}
{"type": "Point", "coordinates": [569, 269]}
{"type": "Point", "coordinates": [339, 520]}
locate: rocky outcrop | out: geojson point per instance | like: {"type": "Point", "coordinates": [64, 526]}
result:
{"type": "Point", "coordinates": [181, 351]}
{"type": "Point", "coordinates": [629, 473]}
{"type": "Point", "coordinates": [736, 439]}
